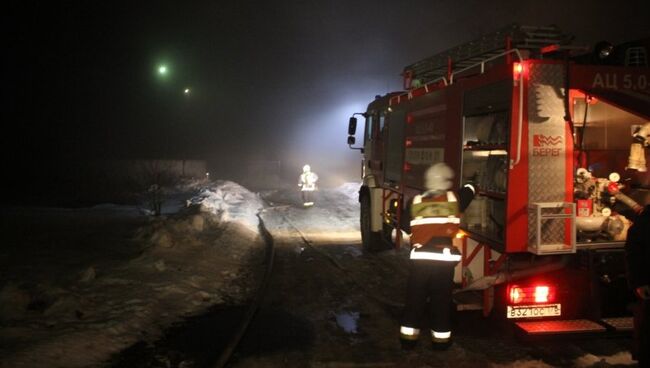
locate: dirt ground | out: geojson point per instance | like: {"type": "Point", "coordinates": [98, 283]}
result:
{"type": "Point", "coordinates": [331, 305]}
{"type": "Point", "coordinates": [328, 304]}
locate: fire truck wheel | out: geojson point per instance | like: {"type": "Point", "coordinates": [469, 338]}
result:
{"type": "Point", "coordinates": [371, 240]}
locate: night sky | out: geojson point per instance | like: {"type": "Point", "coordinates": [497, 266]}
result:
{"type": "Point", "coordinates": [268, 79]}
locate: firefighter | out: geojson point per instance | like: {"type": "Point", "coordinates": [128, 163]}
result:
{"type": "Point", "coordinates": [637, 256]}
{"type": "Point", "coordinates": [435, 219]}
{"type": "Point", "coordinates": [307, 184]}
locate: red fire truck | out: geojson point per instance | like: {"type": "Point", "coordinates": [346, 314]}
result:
{"type": "Point", "coordinates": [554, 136]}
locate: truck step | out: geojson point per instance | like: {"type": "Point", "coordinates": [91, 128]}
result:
{"type": "Point", "coordinates": [619, 323]}
{"type": "Point", "coordinates": [560, 327]}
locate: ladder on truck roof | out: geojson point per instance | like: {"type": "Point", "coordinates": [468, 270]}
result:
{"type": "Point", "coordinates": [492, 45]}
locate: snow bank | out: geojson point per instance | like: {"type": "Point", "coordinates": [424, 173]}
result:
{"type": "Point", "coordinates": [182, 265]}
{"type": "Point", "coordinates": [230, 201]}
{"type": "Point", "coordinates": [589, 360]}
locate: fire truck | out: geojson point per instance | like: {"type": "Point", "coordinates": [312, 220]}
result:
{"type": "Point", "coordinates": [554, 137]}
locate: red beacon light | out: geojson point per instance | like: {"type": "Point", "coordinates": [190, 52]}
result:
{"type": "Point", "coordinates": [517, 69]}
{"type": "Point", "coordinates": [517, 73]}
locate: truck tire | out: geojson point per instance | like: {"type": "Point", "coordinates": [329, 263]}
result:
{"type": "Point", "coordinates": [371, 240]}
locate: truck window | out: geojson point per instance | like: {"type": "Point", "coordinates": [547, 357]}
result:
{"type": "Point", "coordinates": [369, 130]}
{"type": "Point", "coordinates": [372, 127]}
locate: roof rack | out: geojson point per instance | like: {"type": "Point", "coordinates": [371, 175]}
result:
{"type": "Point", "coordinates": [513, 36]}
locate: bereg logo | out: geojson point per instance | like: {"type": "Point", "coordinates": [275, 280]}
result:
{"type": "Point", "coordinates": [540, 140]}
{"type": "Point", "coordinates": [547, 145]}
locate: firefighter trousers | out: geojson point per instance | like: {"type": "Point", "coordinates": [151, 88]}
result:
{"type": "Point", "coordinates": [429, 291]}
{"type": "Point", "coordinates": [307, 197]}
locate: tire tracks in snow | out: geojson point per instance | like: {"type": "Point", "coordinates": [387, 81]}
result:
{"type": "Point", "coordinates": [336, 264]}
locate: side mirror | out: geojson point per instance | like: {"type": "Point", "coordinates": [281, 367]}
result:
{"type": "Point", "coordinates": [351, 140]}
{"type": "Point", "coordinates": [352, 126]}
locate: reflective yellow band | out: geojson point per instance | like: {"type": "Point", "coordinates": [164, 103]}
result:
{"type": "Point", "coordinates": [471, 187]}
{"type": "Point", "coordinates": [451, 197]}
{"type": "Point", "coordinates": [440, 335]}
{"type": "Point", "coordinates": [435, 220]}
{"type": "Point", "coordinates": [433, 256]}
{"type": "Point", "coordinates": [409, 331]}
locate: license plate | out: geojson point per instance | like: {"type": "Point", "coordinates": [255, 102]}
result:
{"type": "Point", "coordinates": [534, 311]}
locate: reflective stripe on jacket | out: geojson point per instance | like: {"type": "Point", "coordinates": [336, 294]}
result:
{"type": "Point", "coordinates": [434, 216]}
{"type": "Point", "coordinates": [448, 254]}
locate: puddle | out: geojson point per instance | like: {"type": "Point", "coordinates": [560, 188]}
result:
{"type": "Point", "coordinates": [347, 321]}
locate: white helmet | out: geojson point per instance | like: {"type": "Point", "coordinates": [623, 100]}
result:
{"type": "Point", "coordinates": [438, 177]}
{"type": "Point", "coordinates": [306, 168]}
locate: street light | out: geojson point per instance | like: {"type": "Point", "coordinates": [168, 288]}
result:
{"type": "Point", "coordinates": [186, 91]}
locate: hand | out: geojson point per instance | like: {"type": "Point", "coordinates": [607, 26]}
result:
{"type": "Point", "coordinates": [643, 292]}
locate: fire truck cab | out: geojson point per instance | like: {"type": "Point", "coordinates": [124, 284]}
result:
{"type": "Point", "coordinates": [549, 134]}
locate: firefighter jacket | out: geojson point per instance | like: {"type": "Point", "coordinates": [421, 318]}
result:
{"type": "Point", "coordinates": [435, 221]}
{"type": "Point", "coordinates": [307, 181]}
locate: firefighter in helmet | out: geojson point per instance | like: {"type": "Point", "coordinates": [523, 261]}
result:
{"type": "Point", "coordinates": [435, 219]}
{"type": "Point", "coordinates": [307, 184]}
{"type": "Point", "coordinates": [637, 256]}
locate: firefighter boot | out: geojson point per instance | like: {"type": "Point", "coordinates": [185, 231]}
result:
{"type": "Point", "coordinates": [440, 340]}
{"type": "Point", "coordinates": [408, 337]}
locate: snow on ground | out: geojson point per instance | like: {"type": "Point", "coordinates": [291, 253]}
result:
{"type": "Point", "coordinates": [72, 298]}
{"type": "Point", "coordinates": [230, 201]}
{"type": "Point", "coordinates": [619, 359]}
{"type": "Point", "coordinates": [351, 190]}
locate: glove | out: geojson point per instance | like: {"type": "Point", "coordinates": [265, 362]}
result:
{"type": "Point", "coordinates": [643, 292]}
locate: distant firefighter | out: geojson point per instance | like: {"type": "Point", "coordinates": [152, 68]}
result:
{"type": "Point", "coordinates": [307, 184]}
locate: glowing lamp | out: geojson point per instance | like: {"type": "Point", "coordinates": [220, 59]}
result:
{"type": "Point", "coordinates": [541, 294]}
{"type": "Point", "coordinates": [536, 294]}
{"type": "Point", "coordinates": [517, 70]}
{"type": "Point", "coordinates": [516, 295]}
